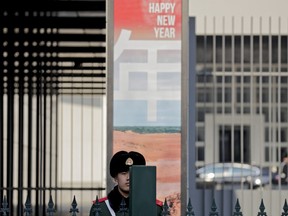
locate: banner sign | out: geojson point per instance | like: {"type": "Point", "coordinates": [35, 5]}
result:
{"type": "Point", "coordinates": [147, 88]}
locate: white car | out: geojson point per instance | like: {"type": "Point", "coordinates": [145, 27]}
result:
{"type": "Point", "coordinates": [230, 173]}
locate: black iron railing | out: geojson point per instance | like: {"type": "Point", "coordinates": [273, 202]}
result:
{"type": "Point", "coordinates": [51, 211]}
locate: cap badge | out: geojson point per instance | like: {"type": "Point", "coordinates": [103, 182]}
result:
{"type": "Point", "coordinates": [129, 161]}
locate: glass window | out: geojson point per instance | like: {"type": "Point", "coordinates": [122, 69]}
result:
{"type": "Point", "coordinates": [284, 79]}
{"type": "Point", "coordinates": [265, 48]}
{"type": "Point", "coordinates": [283, 135]}
{"type": "Point", "coordinates": [284, 113]}
{"type": "Point", "coordinates": [219, 69]}
{"type": "Point", "coordinates": [228, 110]}
{"type": "Point", "coordinates": [238, 79]}
{"type": "Point", "coordinates": [219, 49]}
{"type": "Point", "coordinates": [238, 109]}
{"type": "Point", "coordinates": [200, 115]}
{"type": "Point", "coordinates": [238, 93]}
{"type": "Point", "coordinates": [200, 153]}
{"type": "Point", "coordinates": [247, 110]}
{"type": "Point", "coordinates": [265, 79]}
{"type": "Point", "coordinates": [265, 69]}
{"type": "Point", "coordinates": [228, 79]}
{"type": "Point", "coordinates": [247, 49]}
{"type": "Point", "coordinates": [219, 79]}
{"type": "Point", "coordinates": [228, 94]}
{"type": "Point", "coordinates": [265, 95]}
{"type": "Point", "coordinates": [228, 50]}
{"type": "Point", "coordinates": [283, 69]}
{"type": "Point", "coordinates": [266, 134]}
{"type": "Point", "coordinates": [267, 154]}
{"type": "Point", "coordinates": [284, 49]}
{"type": "Point", "coordinates": [256, 46]}
{"type": "Point", "coordinates": [219, 95]}
{"type": "Point", "coordinates": [237, 49]}
{"type": "Point", "coordinates": [283, 151]}
{"type": "Point", "coordinates": [200, 134]}
{"type": "Point", "coordinates": [265, 112]}
{"type": "Point", "coordinates": [201, 95]}
{"type": "Point", "coordinates": [247, 94]}
{"type": "Point", "coordinates": [205, 95]}
{"type": "Point", "coordinates": [247, 79]}
{"type": "Point", "coordinates": [201, 78]}
{"type": "Point", "coordinates": [284, 95]}
{"type": "Point", "coordinates": [209, 77]}
{"type": "Point", "coordinates": [262, 79]}
{"type": "Point", "coordinates": [275, 55]}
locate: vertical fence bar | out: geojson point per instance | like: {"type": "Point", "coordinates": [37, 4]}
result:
{"type": "Point", "coordinates": [30, 122]}
{"type": "Point", "coordinates": [51, 135]}
{"type": "Point", "coordinates": [285, 208]}
{"type": "Point", "coordinates": [260, 85]}
{"type": "Point", "coordinates": [50, 209]}
{"type": "Point", "coordinates": [44, 134]}
{"type": "Point", "coordinates": [10, 129]}
{"type": "Point", "coordinates": [97, 209]}
{"type": "Point", "coordinates": [28, 207]}
{"type": "Point", "coordinates": [165, 211]}
{"type": "Point", "coordinates": [252, 80]}
{"type": "Point", "coordinates": [1, 120]}
{"type": "Point", "coordinates": [30, 132]}
{"type": "Point", "coordinates": [237, 209]}
{"type": "Point", "coordinates": [213, 211]}
{"type": "Point", "coordinates": [56, 143]}
{"type": "Point", "coordinates": [190, 211]}
{"type": "Point", "coordinates": [262, 209]}
{"type": "Point", "coordinates": [38, 143]}
{"type": "Point", "coordinates": [233, 92]}
{"type": "Point", "coordinates": [1, 133]}
{"type": "Point", "coordinates": [5, 208]}
{"type": "Point", "coordinates": [20, 125]}
{"type": "Point", "coordinates": [74, 210]}
{"type": "Point", "coordinates": [278, 99]}
{"type": "Point", "coordinates": [49, 94]}
{"type": "Point", "coordinates": [32, 81]}
{"type": "Point", "coordinates": [242, 98]}
{"type": "Point", "coordinates": [2, 75]}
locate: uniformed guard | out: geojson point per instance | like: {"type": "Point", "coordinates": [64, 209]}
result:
{"type": "Point", "coordinates": [112, 205]}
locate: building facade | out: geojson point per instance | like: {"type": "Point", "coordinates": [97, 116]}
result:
{"type": "Point", "coordinates": [241, 98]}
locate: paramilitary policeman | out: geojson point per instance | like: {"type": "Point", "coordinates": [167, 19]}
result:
{"type": "Point", "coordinates": [119, 170]}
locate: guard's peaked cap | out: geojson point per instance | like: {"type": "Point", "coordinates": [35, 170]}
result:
{"type": "Point", "coordinates": [122, 160]}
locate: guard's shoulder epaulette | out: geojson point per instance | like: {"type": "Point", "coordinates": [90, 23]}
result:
{"type": "Point", "coordinates": [159, 203]}
{"type": "Point", "coordinates": [100, 200]}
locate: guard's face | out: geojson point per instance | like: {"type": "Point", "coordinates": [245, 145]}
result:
{"type": "Point", "coordinates": [122, 179]}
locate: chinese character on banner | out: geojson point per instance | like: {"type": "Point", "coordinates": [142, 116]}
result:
{"type": "Point", "coordinates": [147, 88]}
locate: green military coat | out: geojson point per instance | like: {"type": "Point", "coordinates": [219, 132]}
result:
{"type": "Point", "coordinates": [106, 209]}
{"type": "Point", "coordinates": [110, 206]}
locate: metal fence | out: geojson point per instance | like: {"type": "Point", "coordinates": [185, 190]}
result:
{"type": "Point", "coordinates": [40, 92]}
{"type": "Point", "coordinates": [51, 210]}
